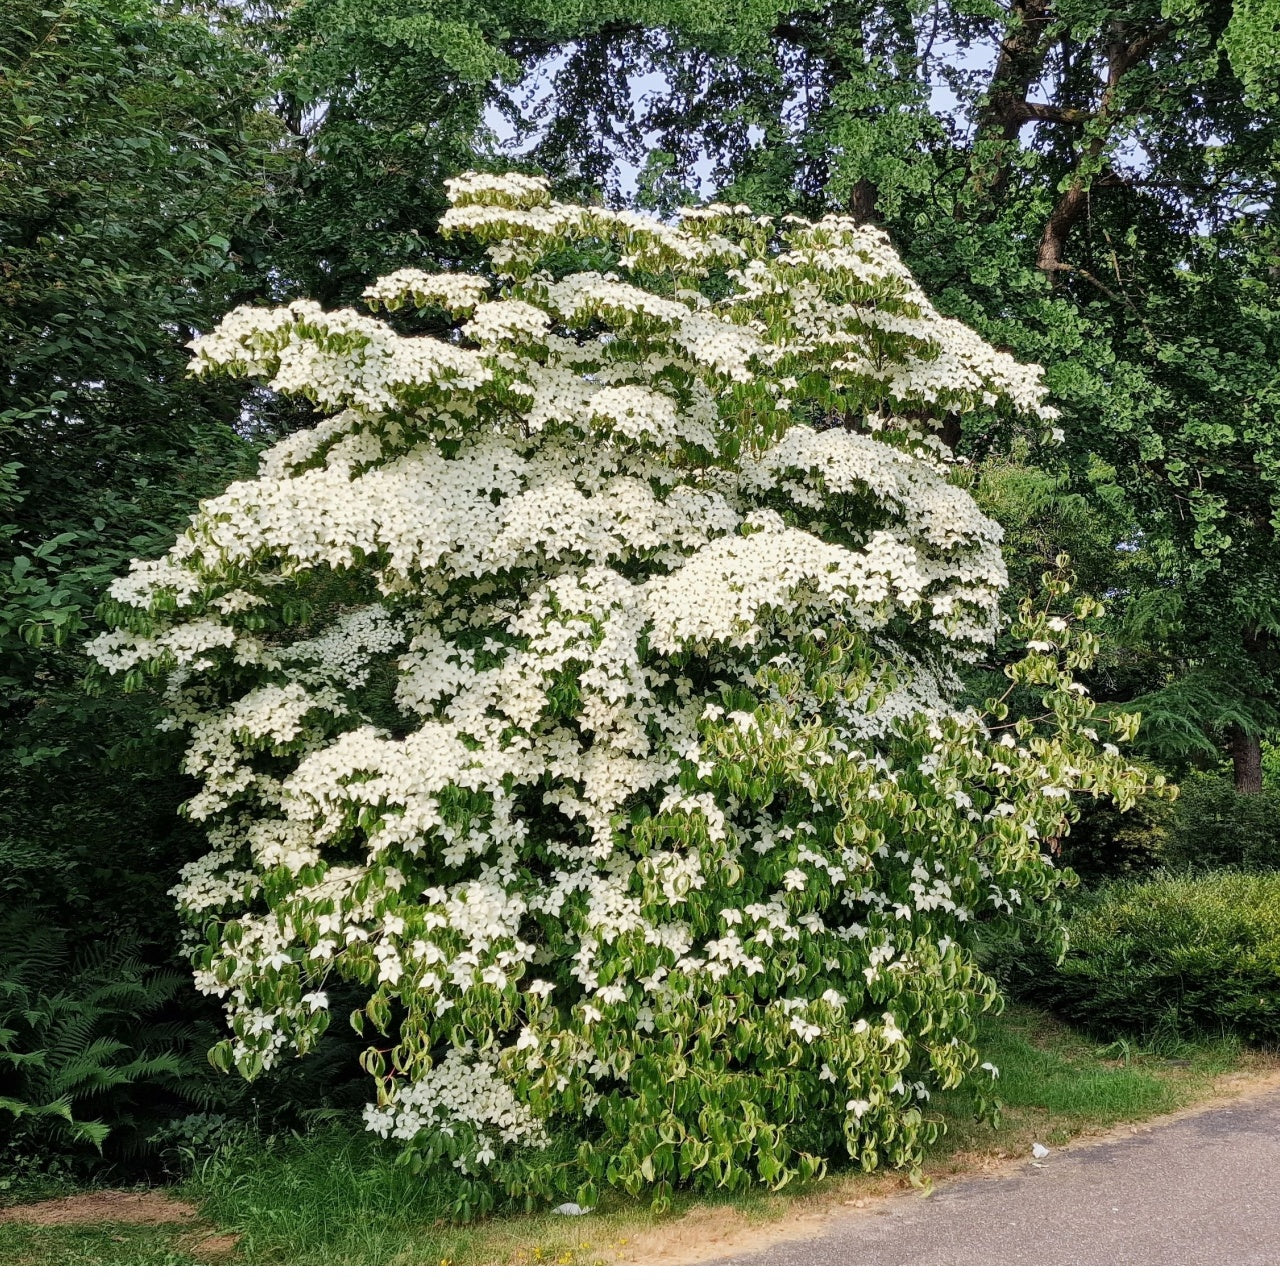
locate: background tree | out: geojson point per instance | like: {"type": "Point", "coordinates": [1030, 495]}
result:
{"type": "Point", "coordinates": [133, 152]}
{"type": "Point", "coordinates": [1091, 185]}
{"type": "Point", "coordinates": [380, 103]}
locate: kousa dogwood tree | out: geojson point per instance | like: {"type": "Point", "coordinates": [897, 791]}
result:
{"type": "Point", "coordinates": [584, 689]}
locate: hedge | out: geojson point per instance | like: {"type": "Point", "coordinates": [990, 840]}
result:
{"type": "Point", "coordinates": [1190, 955]}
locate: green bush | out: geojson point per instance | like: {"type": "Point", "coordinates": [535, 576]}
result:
{"type": "Point", "coordinates": [1176, 954]}
{"type": "Point", "coordinates": [1105, 842]}
{"type": "Point", "coordinates": [1209, 827]}
{"type": "Point", "coordinates": [1271, 766]}
{"type": "Point", "coordinates": [1213, 825]}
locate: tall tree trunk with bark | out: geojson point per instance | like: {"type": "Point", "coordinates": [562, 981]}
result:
{"type": "Point", "coordinates": [1246, 756]}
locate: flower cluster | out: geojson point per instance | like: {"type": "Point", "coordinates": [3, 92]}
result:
{"type": "Point", "coordinates": [583, 687]}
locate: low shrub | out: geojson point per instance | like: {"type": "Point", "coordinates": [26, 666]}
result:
{"type": "Point", "coordinates": [1183, 955]}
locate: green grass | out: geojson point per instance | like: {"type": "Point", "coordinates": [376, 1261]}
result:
{"type": "Point", "coordinates": [338, 1196]}
{"type": "Point", "coordinates": [109, 1244]}
{"type": "Point", "coordinates": [334, 1196]}
{"type": "Point", "coordinates": [1056, 1084]}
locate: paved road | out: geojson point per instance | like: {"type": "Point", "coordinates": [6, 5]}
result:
{"type": "Point", "coordinates": [1204, 1189]}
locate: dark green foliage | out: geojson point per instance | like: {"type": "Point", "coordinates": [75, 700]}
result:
{"type": "Point", "coordinates": [382, 102]}
{"type": "Point", "coordinates": [1188, 956]}
{"type": "Point", "coordinates": [134, 154]}
{"type": "Point", "coordinates": [88, 1058]}
{"type": "Point", "coordinates": [1212, 825]}
{"type": "Point", "coordinates": [1105, 844]}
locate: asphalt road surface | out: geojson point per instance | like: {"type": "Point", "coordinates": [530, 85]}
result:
{"type": "Point", "coordinates": [1201, 1190]}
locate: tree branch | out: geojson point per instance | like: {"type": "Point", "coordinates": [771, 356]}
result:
{"type": "Point", "coordinates": [1121, 56]}
{"type": "Point", "coordinates": [1002, 112]}
{"type": "Point", "coordinates": [1024, 112]}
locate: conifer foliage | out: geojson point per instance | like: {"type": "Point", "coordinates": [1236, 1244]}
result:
{"type": "Point", "coordinates": [584, 687]}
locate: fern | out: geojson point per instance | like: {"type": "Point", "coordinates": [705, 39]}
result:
{"type": "Point", "coordinates": [83, 1058]}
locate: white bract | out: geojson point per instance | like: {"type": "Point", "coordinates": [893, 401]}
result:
{"type": "Point", "coordinates": [583, 689]}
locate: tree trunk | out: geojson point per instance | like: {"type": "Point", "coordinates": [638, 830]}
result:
{"type": "Point", "coordinates": [1003, 110]}
{"type": "Point", "coordinates": [862, 200]}
{"type": "Point", "coordinates": [1246, 755]}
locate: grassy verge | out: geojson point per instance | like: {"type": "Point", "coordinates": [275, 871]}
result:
{"type": "Point", "coordinates": [333, 1196]}
{"type": "Point", "coordinates": [106, 1244]}
{"type": "Point", "coordinates": [1056, 1085]}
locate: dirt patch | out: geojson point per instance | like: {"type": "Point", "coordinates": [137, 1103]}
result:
{"type": "Point", "coordinates": [134, 1208]}
{"type": "Point", "coordinates": [210, 1248]}
{"type": "Point", "coordinates": [707, 1234]}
